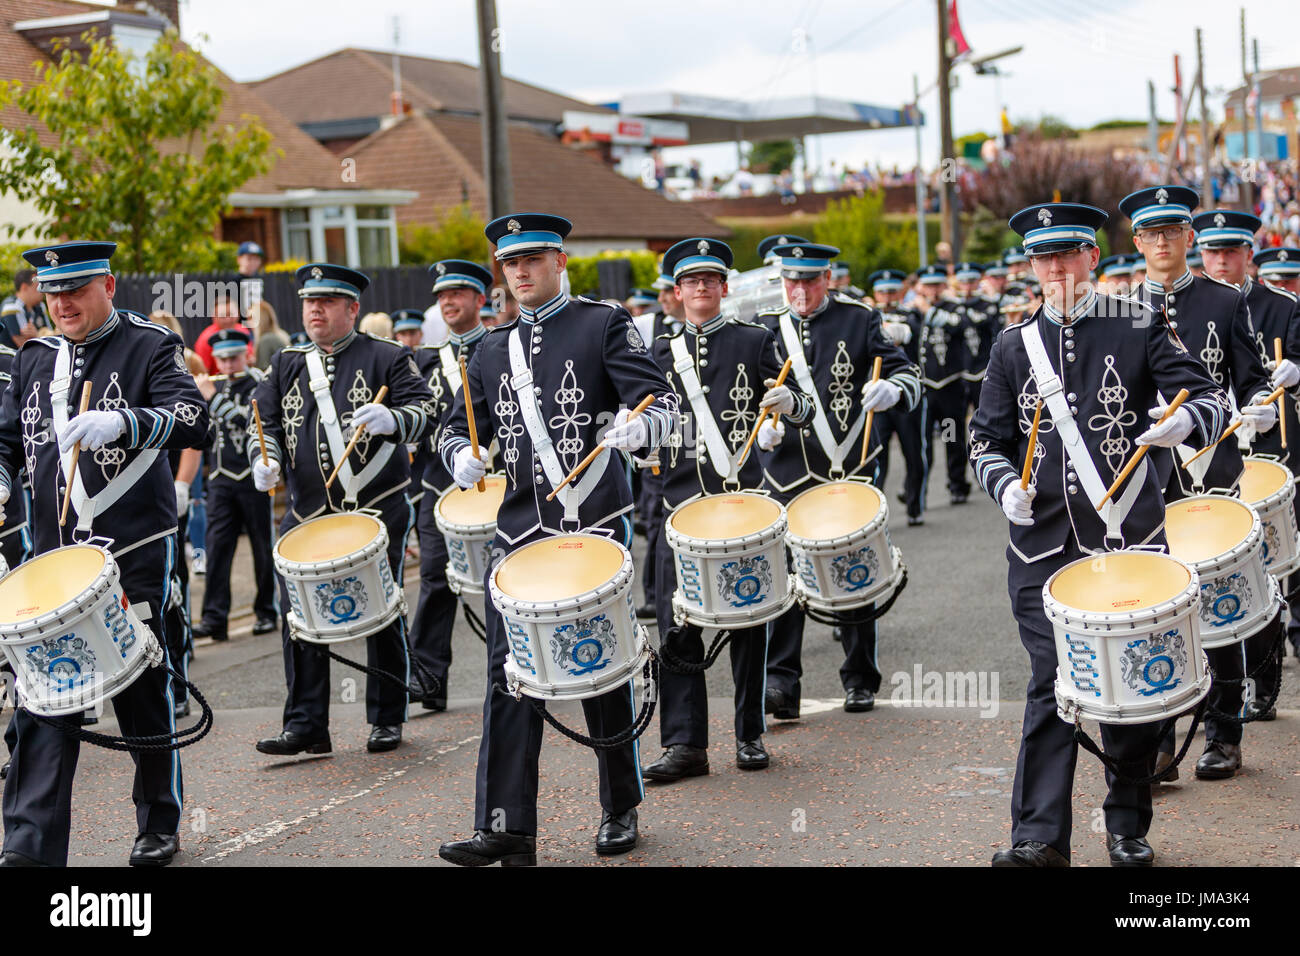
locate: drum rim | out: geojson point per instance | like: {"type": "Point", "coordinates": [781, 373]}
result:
{"type": "Point", "coordinates": [104, 580]}
{"type": "Point", "coordinates": [1068, 616]}
{"type": "Point", "coordinates": [306, 570]}
{"type": "Point", "coordinates": [1284, 494]}
{"type": "Point", "coordinates": [538, 610]}
{"type": "Point", "coordinates": [881, 518]}
{"type": "Point", "coordinates": [763, 536]}
{"type": "Point", "coordinates": [1240, 552]}
{"type": "Point", "coordinates": [446, 526]}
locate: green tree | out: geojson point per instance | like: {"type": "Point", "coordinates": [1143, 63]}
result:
{"type": "Point", "coordinates": [115, 147]}
{"type": "Point", "coordinates": [775, 156]}
{"type": "Point", "coordinates": [866, 240]}
{"type": "Point", "coordinates": [458, 235]}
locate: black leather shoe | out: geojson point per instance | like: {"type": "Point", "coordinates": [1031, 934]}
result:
{"type": "Point", "coordinates": [11, 858]}
{"type": "Point", "coordinates": [858, 701]}
{"type": "Point", "coordinates": [435, 704]}
{"type": "Point", "coordinates": [4, 771]}
{"type": "Point", "coordinates": [1030, 853]}
{"type": "Point", "coordinates": [181, 709]}
{"type": "Point", "coordinates": [1129, 850]}
{"type": "Point", "coordinates": [486, 848]}
{"type": "Point", "coordinates": [1165, 771]}
{"type": "Point", "coordinates": [959, 499]}
{"type": "Point", "coordinates": [203, 629]}
{"type": "Point", "coordinates": [902, 497]}
{"type": "Point", "coordinates": [384, 738]}
{"type": "Point", "coordinates": [646, 612]}
{"type": "Point", "coordinates": [779, 705]}
{"type": "Point", "coordinates": [1219, 762]}
{"type": "Point", "coordinates": [617, 833]}
{"type": "Point", "coordinates": [678, 760]}
{"type": "Point", "coordinates": [915, 522]}
{"type": "Point", "coordinates": [287, 743]}
{"type": "Point", "coordinates": [837, 635]}
{"type": "Point", "coordinates": [265, 625]}
{"type": "Point", "coordinates": [1255, 711]}
{"type": "Point", "coordinates": [155, 849]}
{"type": "Point", "coordinates": [751, 754]}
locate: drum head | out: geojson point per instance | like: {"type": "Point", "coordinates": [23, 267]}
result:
{"type": "Point", "coordinates": [328, 538]}
{"type": "Point", "coordinates": [834, 510]}
{"type": "Point", "coordinates": [467, 507]}
{"type": "Point", "coordinates": [1262, 479]}
{"type": "Point", "coordinates": [47, 582]}
{"type": "Point", "coordinates": [559, 568]}
{"type": "Point", "coordinates": [1119, 583]}
{"type": "Point", "coordinates": [1203, 528]}
{"type": "Point", "coordinates": [718, 517]}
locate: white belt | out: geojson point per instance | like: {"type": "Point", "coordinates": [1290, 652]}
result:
{"type": "Point", "coordinates": [353, 484]}
{"type": "Point", "coordinates": [821, 427]}
{"type": "Point", "coordinates": [684, 366]}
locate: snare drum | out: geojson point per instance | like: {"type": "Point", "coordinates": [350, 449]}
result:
{"type": "Point", "coordinates": [1222, 539]}
{"type": "Point", "coordinates": [69, 632]}
{"type": "Point", "coordinates": [1128, 645]}
{"type": "Point", "coordinates": [467, 519]}
{"type": "Point", "coordinates": [730, 560]}
{"type": "Point", "coordinates": [839, 540]}
{"type": "Point", "coordinates": [1268, 487]}
{"type": "Point", "coordinates": [336, 571]}
{"type": "Point", "coordinates": [566, 603]}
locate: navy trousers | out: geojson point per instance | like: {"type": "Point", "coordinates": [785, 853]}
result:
{"type": "Point", "coordinates": [235, 508]}
{"type": "Point", "coordinates": [435, 611]}
{"type": "Point", "coordinates": [910, 429]}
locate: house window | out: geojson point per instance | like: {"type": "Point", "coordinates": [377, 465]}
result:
{"type": "Point", "coordinates": [357, 236]}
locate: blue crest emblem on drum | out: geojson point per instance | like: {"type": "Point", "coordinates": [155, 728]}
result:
{"type": "Point", "coordinates": [341, 600]}
{"type": "Point", "coordinates": [1225, 600]}
{"type": "Point", "coordinates": [585, 646]}
{"type": "Point", "coordinates": [1272, 542]}
{"type": "Point", "coordinates": [745, 582]}
{"type": "Point", "coordinates": [1151, 666]}
{"type": "Point", "coordinates": [855, 570]}
{"type": "Point", "coordinates": [66, 660]}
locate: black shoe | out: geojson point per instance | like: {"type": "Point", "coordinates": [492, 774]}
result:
{"type": "Point", "coordinates": [11, 858]}
{"type": "Point", "coordinates": [915, 522]}
{"type": "Point", "coordinates": [1254, 710]}
{"type": "Point", "coordinates": [486, 848]}
{"type": "Point", "coordinates": [678, 760]}
{"type": "Point", "coordinates": [155, 849]}
{"type": "Point", "coordinates": [646, 612]}
{"type": "Point", "coordinates": [837, 634]}
{"type": "Point", "coordinates": [435, 704]}
{"type": "Point", "coordinates": [1219, 762]}
{"type": "Point", "coordinates": [4, 771]}
{"type": "Point", "coordinates": [1129, 850]}
{"type": "Point", "coordinates": [617, 833]}
{"type": "Point", "coordinates": [960, 499]}
{"type": "Point", "coordinates": [779, 705]}
{"type": "Point", "coordinates": [751, 754]}
{"type": "Point", "coordinates": [1165, 771]}
{"type": "Point", "coordinates": [181, 709]}
{"type": "Point", "coordinates": [265, 625]}
{"type": "Point", "coordinates": [287, 743]}
{"type": "Point", "coordinates": [858, 701]}
{"type": "Point", "coordinates": [1030, 853]}
{"type": "Point", "coordinates": [203, 629]}
{"type": "Point", "coordinates": [384, 737]}
{"type": "Point", "coordinates": [902, 497]}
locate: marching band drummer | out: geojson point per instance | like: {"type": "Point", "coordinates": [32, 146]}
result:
{"type": "Point", "coordinates": [545, 387]}
{"type": "Point", "coordinates": [313, 397]}
{"type": "Point", "coordinates": [833, 341]}
{"type": "Point", "coordinates": [15, 539]}
{"type": "Point", "coordinates": [724, 404]}
{"type": "Point", "coordinates": [902, 325]}
{"type": "Point", "coordinates": [1101, 363]}
{"type": "Point", "coordinates": [143, 400]}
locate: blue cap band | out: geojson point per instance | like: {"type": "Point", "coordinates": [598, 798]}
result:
{"type": "Point", "coordinates": [1225, 234]}
{"type": "Point", "coordinates": [73, 270]}
{"type": "Point", "coordinates": [539, 239]}
{"type": "Point", "coordinates": [1036, 237]}
{"type": "Point", "coordinates": [1169, 210]}
{"type": "Point", "coordinates": [699, 264]}
{"type": "Point", "coordinates": [458, 281]}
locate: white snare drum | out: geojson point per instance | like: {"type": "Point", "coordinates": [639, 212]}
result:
{"type": "Point", "coordinates": [730, 560]}
{"type": "Point", "coordinates": [1222, 539]}
{"type": "Point", "coordinates": [1128, 645]}
{"type": "Point", "coordinates": [336, 571]}
{"type": "Point", "coordinates": [566, 603]}
{"type": "Point", "coordinates": [467, 519]}
{"type": "Point", "coordinates": [1268, 487]}
{"type": "Point", "coordinates": [69, 632]}
{"type": "Point", "coordinates": [839, 540]}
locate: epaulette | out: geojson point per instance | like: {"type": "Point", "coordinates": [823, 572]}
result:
{"type": "Point", "coordinates": [753, 325]}
{"type": "Point", "coordinates": [1227, 285]}
{"type": "Point", "coordinates": [776, 311]}
{"type": "Point", "coordinates": [303, 348]}
{"type": "Point", "coordinates": [379, 338]}
{"type": "Point", "coordinates": [1291, 296]}
{"type": "Point", "coordinates": [137, 319]}
{"type": "Point", "coordinates": [49, 341]}
{"type": "Point", "coordinates": [841, 297]}
{"type": "Point", "coordinates": [6, 350]}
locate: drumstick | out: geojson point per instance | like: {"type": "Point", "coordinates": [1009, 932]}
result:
{"type": "Point", "coordinates": [1232, 428]}
{"type": "Point", "coordinates": [645, 403]}
{"type": "Point", "coordinates": [866, 432]}
{"type": "Point", "coordinates": [469, 417]}
{"type": "Point", "coordinates": [76, 453]}
{"type": "Point", "coordinates": [1281, 402]}
{"type": "Point", "coordinates": [1142, 449]}
{"type": "Point", "coordinates": [261, 439]}
{"type": "Point", "coordinates": [1028, 470]}
{"type": "Point", "coordinates": [780, 380]}
{"type": "Point", "coordinates": [356, 436]}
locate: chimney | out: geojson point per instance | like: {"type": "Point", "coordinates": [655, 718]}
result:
{"type": "Point", "coordinates": [171, 9]}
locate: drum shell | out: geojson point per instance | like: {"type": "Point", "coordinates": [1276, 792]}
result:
{"type": "Point", "coordinates": [100, 627]}
{"type": "Point", "coordinates": [824, 568]}
{"type": "Point", "coordinates": [317, 615]}
{"type": "Point", "coordinates": [1281, 533]}
{"type": "Point", "coordinates": [469, 551]}
{"type": "Point", "coordinates": [539, 632]}
{"type": "Point", "coordinates": [706, 595]}
{"type": "Point", "coordinates": [1100, 668]}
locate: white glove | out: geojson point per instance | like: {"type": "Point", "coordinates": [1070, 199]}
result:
{"type": "Point", "coordinates": [1018, 504]}
{"type": "Point", "coordinates": [900, 333]}
{"type": "Point", "coordinates": [467, 469]}
{"type": "Point", "coordinates": [769, 435]}
{"type": "Point", "coordinates": [93, 429]}
{"type": "Point", "coordinates": [627, 434]}
{"type": "Point", "coordinates": [877, 396]}
{"type": "Point", "coordinates": [1169, 434]}
{"type": "Point", "coordinates": [1259, 417]}
{"type": "Point", "coordinates": [182, 498]}
{"type": "Point", "coordinates": [1286, 375]}
{"type": "Point", "coordinates": [378, 419]}
{"type": "Point", "coordinates": [777, 396]}
{"type": "Point", "coordinates": [266, 477]}
{"type": "Point", "coordinates": [4, 496]}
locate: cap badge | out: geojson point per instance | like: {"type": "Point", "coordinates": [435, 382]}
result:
{"type": "Point", "coordinates": [316, 272]}
{"type": "Point", "coordinates": [52, 257]}
{"type": "Point", "coordinates": [781, 240]}
{"type": "Point", "coordinates": [1162, 196]}
{"type": "Point", "coordinates": [1281, 256]}
{"type": "Point", "coordinates": [798, 252]}
{"type": "Point", "coordinates": [442, 269]}
{"type": "Point", "coordinates": [1220, 219]}
{"type": "Point", "coordinates": [703, 246]}
{"type": "Point", "coordinates": [513, 226]}
{"type": "Point", "coordinates": [1045, 216]}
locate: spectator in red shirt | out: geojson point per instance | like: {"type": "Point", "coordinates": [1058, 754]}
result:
{"type": "Point", "coordinates": [225, 315]}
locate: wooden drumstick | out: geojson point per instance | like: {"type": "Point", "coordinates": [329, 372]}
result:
{"type": "Point", "coordinates": [356, 436]}
{"type": "Point", "coordinates": [261, 439]}
{"type": "Point", "coordinates": [469, 417]}
{"type": "Point", "coordinates": [866, 431]}
{"type": "Point", "coordinates": [76, 453]}
{"type": "Point", "coordinates": [1142, 449]}
{"type": "Point", "coordinates": [1028, 470]}
{"type": "Point", "coordinates": [1233, 427]}
{"type": "Point", "coordinates": [780, 380]}
{"type": "Point", "coordinates": [644, 404]}
{"type": "Point", "coordinates": [1281, 402]}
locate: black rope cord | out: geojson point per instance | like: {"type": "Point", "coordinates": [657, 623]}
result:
{"type": "Point", "coordinates": [842, 618]}
{"type": "Point", "coordinates": [428, 685]}
{"type": "Point", "coordinates": [679, 666]}
{"type": "Point", "coordinates": [474, 621]}
{"type": "Point", "coordinates": [1262, 709]}
{"type": "Point", "coordinates": [1113, 765]}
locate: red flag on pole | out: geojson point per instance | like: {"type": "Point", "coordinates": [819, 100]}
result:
{"type": "Point", "coordinates": [959, 45]}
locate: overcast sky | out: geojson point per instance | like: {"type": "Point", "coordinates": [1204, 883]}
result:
{"type": "Point", "coordinates": [1083, 61]}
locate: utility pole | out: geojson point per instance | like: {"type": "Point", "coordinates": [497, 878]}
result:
{"type": "Point", "coordinates": [1247, 189]}
{"type": "Point", "coordinates": [1259, 105]}
{"type": "Point", "coordinates": [496, 145]}
{"type": "Point", "coordinates": [1207, 194]}
{"type": "Point", "coordinates": [921, 238]}
{"type": "Point", "coordinates": [1153, 123]}
{"type": "Point", "coordinates": [398, 106]}
{"type": "Point", "coordinates": [947, 162]}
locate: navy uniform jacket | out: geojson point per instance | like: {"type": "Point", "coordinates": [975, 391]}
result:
{"type": "Point", "coordinates": [841, 341]}
{"type": "Point", "coordinates": [1275, 315]}
{"type": "Point", "coordinates": [982, 324]}
{"type": "Point", "coordinates": [232, 425]}
{"type": "Point", "coordinates": [137, 369]}
{"type": "Point", "coordinates": [15, 509]}
{"type": "Point", "coordinates": [944, 355]}
{"type": "Point", "coordinates": [586, 360]}
{"type": "Point", "coordinates": [913, 320]}
{"type": "Point", "coordinates": [295, 437]}
{"type": "Point", "coordinates": [1111, 362]}
{"type": "Point", "coordinates": [433, 474]}
{"type": "Point", "coordinates": [731, 358]}
{"type": "Point", "coordinates": [1213, 321]}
